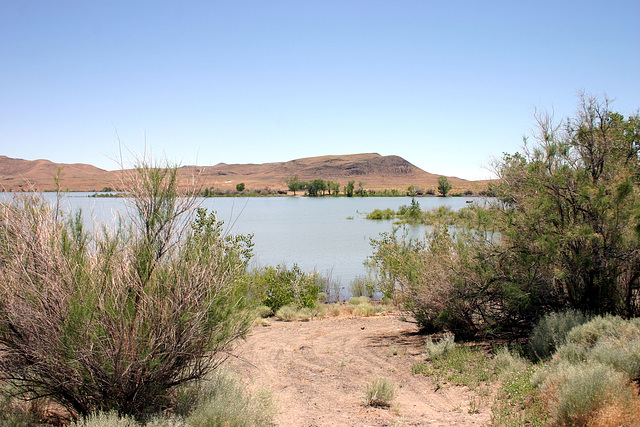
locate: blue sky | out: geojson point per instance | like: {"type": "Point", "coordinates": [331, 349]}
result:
{"type": "Point", "coordinates": [448, 85]}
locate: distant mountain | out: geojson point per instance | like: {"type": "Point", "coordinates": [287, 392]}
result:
{"type": "Point", "coordinates": [373, 170]}
{"type": "Point", "coordinates": [19, 175]}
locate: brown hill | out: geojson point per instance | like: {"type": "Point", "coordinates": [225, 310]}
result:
{"type": "Point", "coordinates": [373, 170]}
{"type": "Point", "coordinates": [20, 175]}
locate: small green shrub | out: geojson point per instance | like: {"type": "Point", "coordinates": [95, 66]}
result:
{"type": "Point", "coordinates": [380, 393]}
{"type": "Point", "coordinates": [322, 297]}
{"type": "Point", "coordinates": [359, 300]}
{"type": "Point", "coordinates": [575, 394]}
{"type": "Point", "coordinates": [609, 340]}
{"type": "Point", "coordinates": [281, 286]}
{"type": "Point", "coordinates": [362, 286]}
{"type": "Point", "coordinates": [551, 331]}
{"type": "Point", "coordinates": [379, 214]}
{"type": "Point", "coordinates": [460, 365]}
{"type": "Point", "coordinates": [263, 311]}
{"type": "Point", "coordinates": [334, 309]}
{"type": "Point", "coordinates": [305, 313]}
{"type": "Point", "coordinates": [364, 310]}
{"type": "Point", "coordinates": [442, 347]}
{"type": "Point", "coordinates": [592, 372]}
{"type": "Point", "coordinates": [287, 313]}
{"type": "Point", "coordinates": [106, 419]}
{"type": "Point", "coordinates": [227, 403]}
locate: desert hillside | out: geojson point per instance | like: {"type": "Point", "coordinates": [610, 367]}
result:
{"type": "Point", "coordinates": [373, 170]}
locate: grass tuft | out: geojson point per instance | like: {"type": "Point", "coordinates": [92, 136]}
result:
{"type": "Point", "coordinates": [380, 393]}
{"type": "Point", "coordinates": [442, 347]}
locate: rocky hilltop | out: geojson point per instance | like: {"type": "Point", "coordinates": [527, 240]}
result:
{"type": "Point", "coordinates": [373, 170]}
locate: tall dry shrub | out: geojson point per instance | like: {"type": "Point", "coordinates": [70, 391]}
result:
{"type": "Point", "coordinates": [116, 319]}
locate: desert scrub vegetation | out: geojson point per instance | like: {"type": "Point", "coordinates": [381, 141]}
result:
{"type": "Point", "coordinates": [380, 393]}
{"type": "Point", "coordinates": [562, 232]}
{"type": "Point", "coordinates": [593, 376]}
{"type": "Point", "coordinates": [220, 401]}
{"type": "Point", "coordinates": [118, 319]}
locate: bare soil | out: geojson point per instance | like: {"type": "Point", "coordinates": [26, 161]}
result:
{"type": "Point", "coordinates": [319, 370]}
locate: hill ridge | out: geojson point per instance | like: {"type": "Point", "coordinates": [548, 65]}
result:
{"type": "Point", "coordinates": [374, 170]}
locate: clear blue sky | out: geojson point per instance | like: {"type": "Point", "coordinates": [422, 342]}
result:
{"type": "Point", "coordinates": [448, 85]}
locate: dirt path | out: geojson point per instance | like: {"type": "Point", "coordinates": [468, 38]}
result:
{"type": "Point", "coordinates": [319, 370]}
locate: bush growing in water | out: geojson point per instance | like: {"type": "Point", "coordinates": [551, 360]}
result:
{"type": "Point", "coordinates": [116, 320]}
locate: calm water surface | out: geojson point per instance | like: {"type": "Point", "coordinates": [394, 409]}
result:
{"type": "Point", "coordinates": [330, 235]}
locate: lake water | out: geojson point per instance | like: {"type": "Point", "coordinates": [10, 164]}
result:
{"type": "Point", "coordinates": [330, 235]}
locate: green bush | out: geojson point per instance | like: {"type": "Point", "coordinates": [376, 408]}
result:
{"type": "Point", "coordinates": [359, 300]}
{"type": "Point", "coordinates": [117, 319]}
{"type": "Point", "coordinates": [362, 286]}
{"type": "Point", "coordinates": [222, 401]}
{"type": "Point", "coordinates": [379, 214]}
{"type": "Point", "coordinates": [551, 331]}
{"type": "Point", "coordinates": [263, 311]}
{"type": "Point", "coordinates": [442, 347]}
{"type": "Point", "coordinates": [287, 313]}
{"type": "Point", "coordinates": [225, 402]}
{"type": "Point", "coordinates": [106, 419]}
{"type": "Point", "coordinates": [575, 394]}
{"type": "Point", "coordinates": [364, 310]}
{"type": "Point", "coordinates": [281, 286]}
{"type": "Point", "coordinates": [380, 393]}
{"type": "Point", "coordinates": [610, 340]}
{"type": "Point", "coordinates": [593, 372]}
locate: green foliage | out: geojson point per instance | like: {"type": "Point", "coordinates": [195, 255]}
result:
{"type": "Point", "coordinates": [411, 213]}
{"type": "Point", "coordinates": [576, 394]}
{"type": "Point", "coordinates": [357, 300]}
{"type": "Point", "coordinates": [443, 185]}
{"type": "Point", "coordinates": [116, 320]}
{"type": "Point", "coordinates": [222, 401]}
{"type": "Point", "coordinates": [279, 286]}
{"type": "Point", "coordinates": [379, 214]}
{"type": "Point", "coordinates": [316, 187]}
{"type": "Point", "coordinates": [592, 371]}
{"type": "Point", "coordinates": [364, 310]}
{"type": "Point", "coordinates": [294, 184]}
{"type": "Point", "coordinates": [240, 187]}
{"type": "Point", "coordinates": [564, 232]}
{"type": "Point", "coordinates": [551, 331]}
{"type": "Point", "coordinates": [380, 393]}
{"type": "Point", "coordinates": [106, 419]}
{"type": "Point", "coordinates": [225, 402]}
{"type": "Point", "coordinates": [442, 347]}
{"type": "Point", "coordinates": [287, 313]}
{"type": "Point", "coordinates": [363, 286]}
{"type": "Point", "coordinates": [460, 365]}
{"type": "Point", "coordinates": [348, 190]}
{"type": "Point", "coordinates": [570, 209]}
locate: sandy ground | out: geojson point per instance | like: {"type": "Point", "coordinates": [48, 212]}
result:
{"type": "Point", "coordinates": [319, 370]}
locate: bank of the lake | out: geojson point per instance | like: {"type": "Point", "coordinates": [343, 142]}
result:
{"type": "Point", "coordinates": [330, 235]}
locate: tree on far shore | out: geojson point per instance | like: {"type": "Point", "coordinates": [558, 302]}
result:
{"type": "Point", "coordinates": [443, 185]}
{"type": "Point", "coordinates": [293, 183]}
